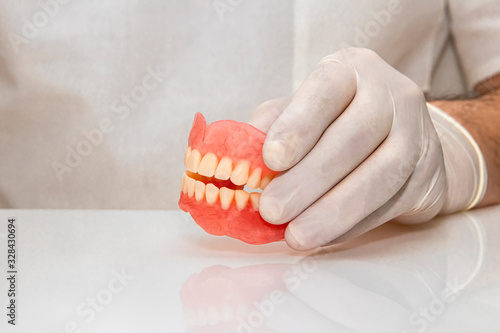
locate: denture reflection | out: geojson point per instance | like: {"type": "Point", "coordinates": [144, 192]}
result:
{"type": "Point", "coordinates": [220, 299]}
{"type": "Point", "coordinates": [397, 278]}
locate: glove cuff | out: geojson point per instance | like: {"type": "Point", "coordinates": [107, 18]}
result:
{"type": "Point", "coordinates": [464, 162]}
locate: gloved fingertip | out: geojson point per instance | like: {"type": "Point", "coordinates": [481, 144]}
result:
{"type": "Point", "coordinates": [277, 156]}
{"type": "Point", "coordinates": [259, 123]}
{"type": "Point", "coordinates": [296, 239]}
{"type": "Point", "coordinates": [270, 211]}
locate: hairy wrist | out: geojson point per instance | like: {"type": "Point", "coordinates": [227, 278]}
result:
{"type": "Point", "coordinates": [481, 117]}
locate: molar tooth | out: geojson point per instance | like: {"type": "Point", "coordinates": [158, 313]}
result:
{"type": "Point", "coordinates": [186, 156]}
{"type": "Point", "coordinates": [211, 193]}
{"type": "Point", "coordinates": [223, 171]}
{"type": "Point", "coordinates": [266, 180]}
{"type": "Point", "coordinates": [190, 186]}
{"type": "Point", "coordinates": [254, 199]}
{"type": "Point", "coordinates": [184, 187]}
{"type": "Point", "coordinates": [226, 197]}
{"type": "Point", "coordinates": [208, 164]}
{"type": "Point", "coordinates": [254, 179]}
{"type": "Point", "coordinates": [241, 198]}
{"type": "Point", "coordinates": [239, 176]}
{"type": "Point", "coordinates": [193, 161]}
{"type": "Point", "coordinates": [199, 190]}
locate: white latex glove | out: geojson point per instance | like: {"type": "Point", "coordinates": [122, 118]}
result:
{"type": "Point", "coordinates": [360, 149]}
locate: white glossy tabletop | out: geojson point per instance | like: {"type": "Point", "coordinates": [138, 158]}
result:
{"type": "Point", "coordinates": [157, 271]}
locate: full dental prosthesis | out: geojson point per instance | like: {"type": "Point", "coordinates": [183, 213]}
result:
{"type": "Point", "coordinates": [221, 159]}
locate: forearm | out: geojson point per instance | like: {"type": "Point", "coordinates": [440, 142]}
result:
{"type": "Point", "coordinates": [481, 117]}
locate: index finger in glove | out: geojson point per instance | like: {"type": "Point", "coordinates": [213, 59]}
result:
{"type": "Point", "coordinates": [322, 97]}
{"type": "Point", "coordinates": [266, 114]}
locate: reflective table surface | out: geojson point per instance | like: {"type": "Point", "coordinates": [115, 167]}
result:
{"type": "Point", "coordinates": [157, 271]}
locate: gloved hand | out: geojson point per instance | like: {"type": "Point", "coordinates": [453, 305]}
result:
{"type": "Point", "coordinates": [360, 149]}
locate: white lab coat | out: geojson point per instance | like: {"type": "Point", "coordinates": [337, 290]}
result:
{"type": "Point", "coordinates": [97, 97]}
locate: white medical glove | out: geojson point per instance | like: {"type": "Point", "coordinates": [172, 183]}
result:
{"type": "Point", "coordinates": [359, 148]}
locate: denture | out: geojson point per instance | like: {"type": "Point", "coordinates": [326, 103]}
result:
{"type": "Point", "coordinates": [220, 298]}
{"type": "Point", "coordinates": [224, 164]}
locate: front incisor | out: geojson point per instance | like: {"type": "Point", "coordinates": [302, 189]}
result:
{"type": "Point", "coordinates": [241, 197]}
{"type": "Point", "coordinates": [254, 199]}
{"type": "Point", "coordinates": [254, 179]}
{"type": "Point", "coordinates": [190, 186]}
{"type": "Point", "coordinates": [239, 176]}
{"type": "Point", "coordinates": [208, 165]}
{"type": "Point", "coordinates": [211, 193]}
{"type": "Point", "coordinates": [199, 190]}
{"type": "Point", "coordinates": [223, 171]}
{"type": "Point", "coordinates": [226, 197]}
{"type": "Point", "coordinates": [184, 187]}
{"type": "Point", "coordinates": [193, 161]}
{"type": "Point", "coordinates": [186, 156]}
